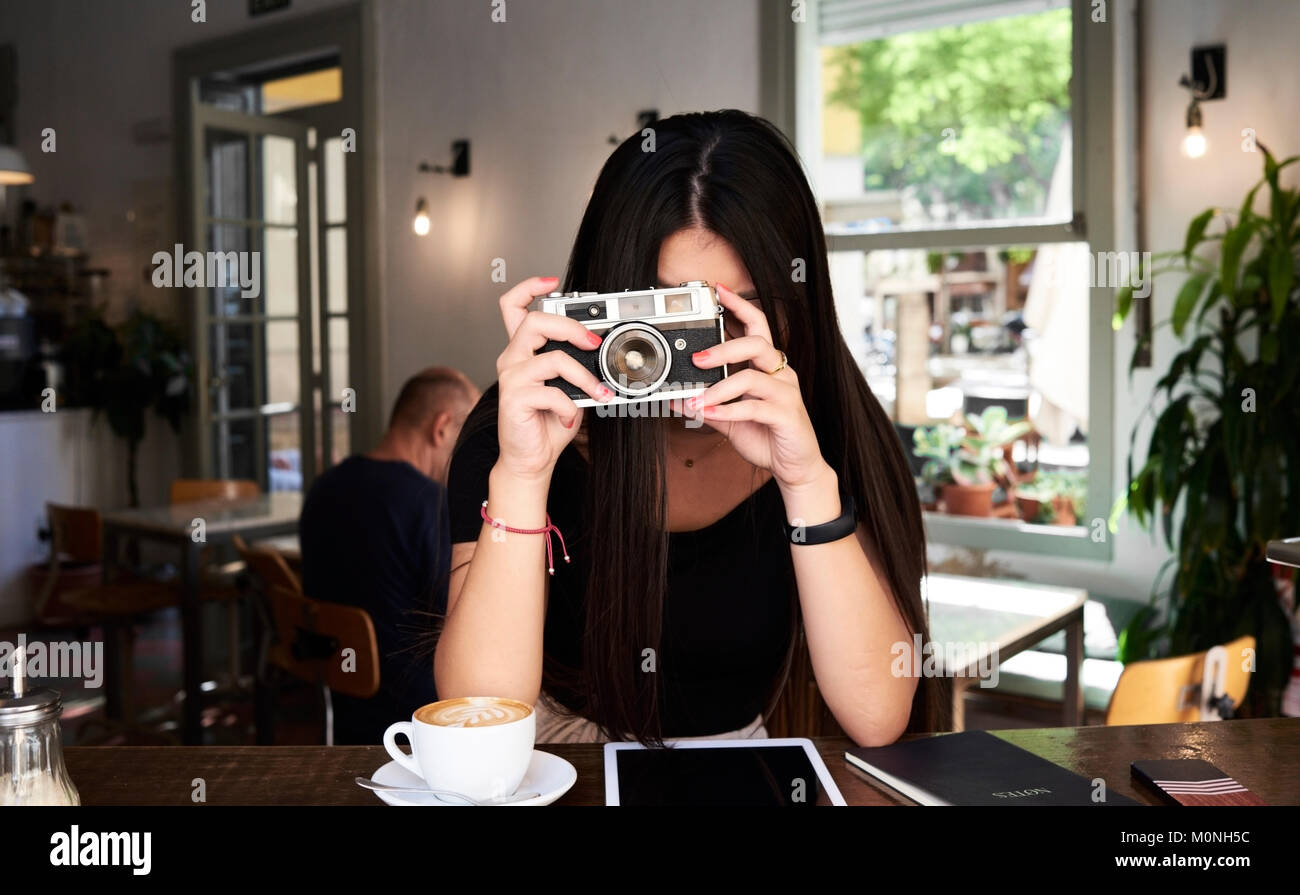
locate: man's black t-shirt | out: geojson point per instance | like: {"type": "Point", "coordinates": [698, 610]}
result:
{"type": "Point", "coordinates": [727, 611]}
{"type": "Point", "coordinates": [374, 534]}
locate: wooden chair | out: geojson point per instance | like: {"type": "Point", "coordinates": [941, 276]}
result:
{"type": "Point", "coordinates": [74, 595]}
{"type": "Point", "coordinates": [310, 637]}
{"type": "Point", "coordinates": [1182, 688]}
{"type": "Point", "coordinates": [264, 569]}
{"type": "Point", "coordinates": [270, 566]}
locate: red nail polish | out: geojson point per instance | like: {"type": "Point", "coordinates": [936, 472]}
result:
{"type": "Point", "coordinates": [569, 424]}
{"type": "Point", "coordinates": [605, 392]}
{"type": "Point", "coordinates": [594, 338]}
{"type": "Point", "coordinates": [700, 355]}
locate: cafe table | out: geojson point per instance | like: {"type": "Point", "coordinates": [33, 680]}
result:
{"type": "Point", "coordinates": [1256, 752]}
{"type": "Point", "coordinates": [978, 623]}
{"type": "Point", "coordinates": [178, 524]}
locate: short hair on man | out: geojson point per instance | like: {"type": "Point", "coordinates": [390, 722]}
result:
{"type": "Point", "coordinates": [427, 394]}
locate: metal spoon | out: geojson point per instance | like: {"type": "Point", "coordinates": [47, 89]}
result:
{"type": "Point", "coordinates": [500, 800]}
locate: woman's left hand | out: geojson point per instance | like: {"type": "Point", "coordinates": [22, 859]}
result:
{"type": "Point", "coordinates": [769, 426]}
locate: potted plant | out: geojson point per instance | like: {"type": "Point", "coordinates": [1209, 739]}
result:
{"type": "Point", "coordinates": [1032, 497]}
{"type": "Point", "coordinates": [124, 372]}
{"type": "Point", "coordinates": [1054, 498]}
{"type": "Point", "coordinates": [1221, 471]}
{"type": "Point", "coordinates": [964, 463]}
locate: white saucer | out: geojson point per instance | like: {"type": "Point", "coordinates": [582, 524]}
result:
{"type": "Point", "coordinates": [549, 775]}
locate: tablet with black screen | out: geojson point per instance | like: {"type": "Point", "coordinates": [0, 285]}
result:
{"type": "Point", "coordinates": [785, 772]}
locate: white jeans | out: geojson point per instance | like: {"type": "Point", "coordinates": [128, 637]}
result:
{"type": "Point", "coordinates": [556, 724]}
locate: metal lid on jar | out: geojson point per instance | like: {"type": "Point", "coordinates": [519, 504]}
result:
{"type": "Point", "coordinates": [29, 706]}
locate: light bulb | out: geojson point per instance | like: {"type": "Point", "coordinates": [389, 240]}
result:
{"type": "Point", "coordinates": [421, 222]}
{"type": "Point", "coordinates": [1194, 144]}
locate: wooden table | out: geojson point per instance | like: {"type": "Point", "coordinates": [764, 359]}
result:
{"type": "Point", "coordinates": [1255, 752]}
{"type": "Point", "coordinates": [263, 516]}
{"type": "Point", "coordinates": [989, 620]}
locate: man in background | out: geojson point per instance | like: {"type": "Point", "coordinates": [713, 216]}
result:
{"type": "Point", "coordinates": [374, 534]}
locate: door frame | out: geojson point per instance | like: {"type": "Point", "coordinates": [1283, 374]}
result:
{"type": "Point", "coordinates": [254, 126]}
{"type": "Point", "coordinates": [350, 31]}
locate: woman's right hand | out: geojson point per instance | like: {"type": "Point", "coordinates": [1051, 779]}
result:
{"type": "Point", "coordinates": [535, 421]}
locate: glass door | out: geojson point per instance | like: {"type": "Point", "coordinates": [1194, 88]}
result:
{"type": "Point", "coordinates": [254, 340]}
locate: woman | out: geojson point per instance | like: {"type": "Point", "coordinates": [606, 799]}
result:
{"type": "Point", "coordinates": [678, 613]}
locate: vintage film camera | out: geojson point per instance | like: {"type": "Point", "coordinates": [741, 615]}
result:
{"type": "Point", "coordinates": [649, 337]}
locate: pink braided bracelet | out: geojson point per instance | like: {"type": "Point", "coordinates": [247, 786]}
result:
{"type": "Point", "coordinates": [550, 527]}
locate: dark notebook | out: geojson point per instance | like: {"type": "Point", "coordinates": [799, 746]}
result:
{"type": "Point", "coordinates": [1191, 781]}
{"type": "Point", "coordinates": [975, 768]}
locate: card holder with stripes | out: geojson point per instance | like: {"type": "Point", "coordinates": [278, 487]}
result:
{"type": "Point", "coordinates": [1191, 781]}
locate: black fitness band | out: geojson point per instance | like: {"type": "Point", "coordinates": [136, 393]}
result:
{"type": "Point", "coordinates": [842, 527]}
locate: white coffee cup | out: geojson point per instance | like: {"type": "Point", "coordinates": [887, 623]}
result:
{"type": "Point", "coordinates": [479, 746]}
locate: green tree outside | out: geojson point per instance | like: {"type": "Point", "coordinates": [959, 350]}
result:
{"type": "Point", "coordinates": [968, 116]}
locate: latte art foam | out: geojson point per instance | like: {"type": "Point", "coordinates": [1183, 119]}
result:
{"type": "Point", "coordinates": [473, 712]}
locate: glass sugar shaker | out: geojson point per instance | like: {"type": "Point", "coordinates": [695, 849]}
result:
{"type": "Point", "coordinates": [32, 771]}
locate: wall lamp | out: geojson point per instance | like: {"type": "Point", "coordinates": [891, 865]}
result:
{"type": "Point", "coordinates": [459, 167]}
{"type": "Point", "coordinates": [1208, 81]}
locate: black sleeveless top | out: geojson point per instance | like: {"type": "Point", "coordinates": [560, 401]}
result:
{"type": "Point", "coordinates": [727, 613]}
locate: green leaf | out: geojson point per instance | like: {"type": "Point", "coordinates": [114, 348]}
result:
{"type": "Point", "coordinates": [1234, 243]}
{"type": "Point", "coordinates": [1137, 639]}
{"type": "Point", "coordinates": [1185, 303]}
{"type": "Point", "coordinates": [1196, 232]}
{"type": "Point", "coordinates": [1268, 346]}
{"type": "Point", "coordinates": [1168, 440]}
{"type": "Point", "coordinates": [1123, 304]}
{"type": "Point", "coordinates": [1143, 341]}
{"type": "Point", "coordinates": [1248, 204]}
{"type": "Point", "coordinates": [1186, 361]}
{"type": "Point", "coordinates": [1116, 511]}
{"type": "Point", "coordinates": [1211, 298]}
{"type": "Point", "coordinates": [1281, 272]}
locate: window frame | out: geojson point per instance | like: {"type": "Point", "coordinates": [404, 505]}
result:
{"type": "Point", "coordinates": [790, 96]}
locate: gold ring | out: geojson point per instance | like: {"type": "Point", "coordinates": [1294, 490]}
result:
{"type": "Point", "coordinates": [780, 366]}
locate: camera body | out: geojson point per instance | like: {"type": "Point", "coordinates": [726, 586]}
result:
{"type": "Point", "coordinates": [649, 337]}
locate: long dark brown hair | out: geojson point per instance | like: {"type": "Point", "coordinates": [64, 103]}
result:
{"type": "Point", "coordinates": [736, 176]}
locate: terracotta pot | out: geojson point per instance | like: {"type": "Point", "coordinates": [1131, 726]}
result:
{"type": "Point", "coordinates": [1028, 508]}
{"type": "Point", "coordinates": [1063, 508]}
{"type": "Point", "coordinates": [969, 500]}
{"type": "Point", "coordinates": [1005, 510]}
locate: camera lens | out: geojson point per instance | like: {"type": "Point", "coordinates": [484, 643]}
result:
{"type": "Point", "coordinates": [634, 359]}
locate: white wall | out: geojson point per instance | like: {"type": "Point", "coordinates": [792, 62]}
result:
{"type": "Point", "coordinates": [67, 457]}
{"type": "Point", "coordinates": [1263, 93]}
{"type": "Point", "coordinates": [538, 96]}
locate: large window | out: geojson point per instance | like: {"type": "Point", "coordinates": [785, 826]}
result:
{"type": "Point", "coordinates": [960, 151]}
